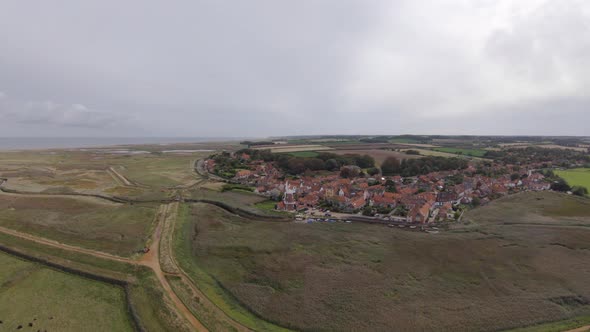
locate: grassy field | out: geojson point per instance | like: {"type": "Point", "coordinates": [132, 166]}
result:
{"type": "Point", "coordinates": [508, 266]}
{"type": "Point", "coordinates": [207, 283]}
{"type": "Point", "coordinates": [238, 199]}
{"type": "Point", "coordinates": [304, 154]}
{"type": "Point", "coordinates": [266, 205]}
{"type": "Point", "coordinates": [466, 152]}
{"type": "Point", "coordinates": [576, 177]}
{"type": "Point", "coordinates": [559, 326]}
{"type": "Point", "coordinates": [87, 222]}
{"type": "Point", "coordinates": [145, 293]}
{"type": "Point", "coordinates": [165, 170]}
{"type": "Point", "coordinates": [39, 298]}
{"type": "Point", "coordinates": [88, 171]}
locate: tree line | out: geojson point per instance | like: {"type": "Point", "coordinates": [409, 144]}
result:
{"type": "Point", "coordinates": [294, 165]}
{"type": "Point", "coordinates": [425, 165]}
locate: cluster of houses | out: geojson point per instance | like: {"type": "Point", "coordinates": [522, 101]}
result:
{"type": "Point", "coordinates": [421, 199]}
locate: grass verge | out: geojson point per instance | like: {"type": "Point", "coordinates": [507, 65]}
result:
{"type": "Point", "coordinates": [205, 282]}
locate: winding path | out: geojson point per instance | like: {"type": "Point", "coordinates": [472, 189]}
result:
{"type": "Point", "coordinates": [150, 259]}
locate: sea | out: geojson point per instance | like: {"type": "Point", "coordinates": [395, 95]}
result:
{"type": "Point", "coordinates": [35, 143]}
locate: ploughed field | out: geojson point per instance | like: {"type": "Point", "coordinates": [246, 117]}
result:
{"type": "Point", "coordinates": [36, 298]}
{"type": "Point", "coordinates": [80, 221]}
{"type": "Point", "coordinates": [520, 261]}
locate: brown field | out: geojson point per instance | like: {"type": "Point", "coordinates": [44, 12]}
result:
{"type": "Point", "coordinates": [546, 146]}
{"type": "Point", "coordinates": [366, 146]}
{"type": "Point", "coordinates": [553, 146]}
{"type": "Point", "coordinates": [378, 155]}
{"type": "Point", "coordinates": [292, 148]}
{"type": "Point", "coordinates": [434, 153]}
{"type": "Point", "coordinates": [418, 145]}
{"type": "Point", "coordinates": [519, 261]}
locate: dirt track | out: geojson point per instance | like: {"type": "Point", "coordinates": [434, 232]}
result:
{"type": "Point", "coordinates": [120, 178]}
{"type": "Point", "coordinates": [188, 282]}
{"type": "Point", "coordinates": [150, 260]}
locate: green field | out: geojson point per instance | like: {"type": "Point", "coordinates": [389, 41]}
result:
{"type": "Point", "coordinates": [208, 284]}
{"type": "Point", "coordinates": [159, 170]}
{"type": "Point", "coordinates": [266, 205]}
{"type": "Point", "coordinates": [237, 199]}
{"type": "Point", "coordinates": [466, 152]}
{"type": "Point", "coordinates": [56, 301]}
{"type": "Point", "coordinates": [576, 177]}
{"type": "Point", "coordinates": [145, 293]}
{"type": "Point", "coordinates": [87, 222]}
{"type": "Point", "coordinates": [515, 263]}
{"type": "Point", "coordinates": [88, 172]}
{"type": "Point", "coordinates": [304, 154]}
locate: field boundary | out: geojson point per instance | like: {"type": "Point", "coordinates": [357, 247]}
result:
{"type": "Point", "coordinates": [124, 284]}
{"type": "Point", "coordinates": [186, 279]}
{"type": "Point", "coordinates": [123, 200]}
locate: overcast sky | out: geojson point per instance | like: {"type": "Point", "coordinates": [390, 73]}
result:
{"type": "Point", "coordinates": [277, 67]}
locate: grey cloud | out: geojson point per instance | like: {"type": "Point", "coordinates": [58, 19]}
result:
{"type": "Point", "coordinates": [55, 114]}
{"type": "Point", "coordinates": [550, 44]}
{"type": "Point", "coordinates": [265, 67]}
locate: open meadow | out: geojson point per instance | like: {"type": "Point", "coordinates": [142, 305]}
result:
{"type": "Point", "coordinates": [37, 298]}
{"type": "Point", "coordinates": [130, 173]}
{"type": "Point", "coordinates": [507, 265]}
{"type": "Point", "coordinates": [81, 221]}
{"type": "Point", "coordinates": [576, 177]}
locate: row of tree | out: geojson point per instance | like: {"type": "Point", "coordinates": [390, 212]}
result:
{"type": "Point", "coordinates": [298, 165]}
{"type": "Point", "coordinates": [561, 185]}
{"type": "Point", "coordinates": [538, 155]}
{"type": "Point", "coordinates": [425, 165]}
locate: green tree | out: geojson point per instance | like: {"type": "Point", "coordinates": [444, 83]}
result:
{"type": "Point", "coordinates": [332, 164]}
{"type": "Point", "coordinates": [560, 185]}
{"type": "Point", "coordinates": [580, 191]}
{"type": "Point", "coordinates": [364, 161]}
{"type": "Point", "coordinates": [373, 171]}
{"type": "Point", "coordinates": [390, 166]}
{"type": "Point", "coordinates": [368, 211]}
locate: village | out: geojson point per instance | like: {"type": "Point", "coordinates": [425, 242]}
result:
{"type": "Point", "coordinates": [424, 199]}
